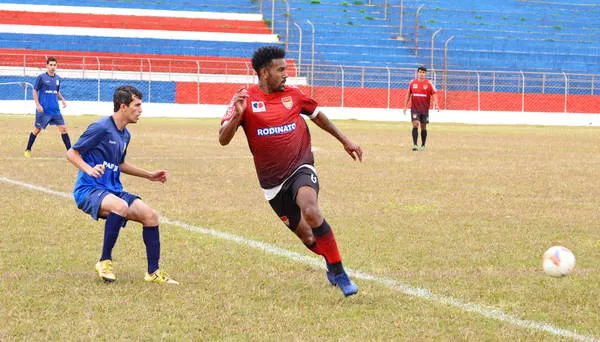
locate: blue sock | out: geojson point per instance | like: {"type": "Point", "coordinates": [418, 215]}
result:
{"type": "Point", "coordinates": [113, 225]}
{"type": "Point", "coordinates": [152, 242]}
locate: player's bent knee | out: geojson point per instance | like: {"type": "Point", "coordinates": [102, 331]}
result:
{"type": "Point", "coordinates": [150, 218]}
{"type": "Point", "coordinates": [312, 215]}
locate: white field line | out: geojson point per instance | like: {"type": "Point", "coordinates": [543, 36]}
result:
{"type": "Point", "coordinates": [423, 293]}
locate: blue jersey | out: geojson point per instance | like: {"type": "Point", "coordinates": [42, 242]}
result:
{"type": "Point", "coordinates": [48, 87]}
{"type": "Point", "coordinates": [101, 143]}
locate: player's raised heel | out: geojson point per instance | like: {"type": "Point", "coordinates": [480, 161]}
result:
{"type": "Point", "coordinates": [104, 269]}
{"type": "Point", "coordinates": [160, 277]}
{"type": "Point", "coordinates": [345, 284]}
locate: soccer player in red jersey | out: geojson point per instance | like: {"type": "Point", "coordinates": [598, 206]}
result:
{"type": "Point", "coordinates": [420, 92]}
{"type": "Point", "coordinates": [279, 139]}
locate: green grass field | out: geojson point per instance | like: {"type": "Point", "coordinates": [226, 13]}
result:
{"type": "Point", "coordinates": [445, 245]}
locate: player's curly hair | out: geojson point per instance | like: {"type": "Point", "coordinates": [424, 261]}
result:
{"type": "Point", "coordinates": [263, 56]}
{"type": "Point", "coordinates": [124, 95]}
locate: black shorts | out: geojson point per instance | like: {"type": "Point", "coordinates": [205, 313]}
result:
{"type": "Point", "coordinates": [422, 118]}
{"type": "Point", "coordinates": [284, 204]}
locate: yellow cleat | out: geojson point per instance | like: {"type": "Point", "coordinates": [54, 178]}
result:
{"type": "Point", "coordinates": [27, 154]}
{"type": "Point", "coordinates": [104, 270]}
{"type": "Point", "coordinates": [160, 277]}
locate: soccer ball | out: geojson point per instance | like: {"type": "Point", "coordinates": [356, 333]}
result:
{"type": "Point", "coordinates": [558, 261]}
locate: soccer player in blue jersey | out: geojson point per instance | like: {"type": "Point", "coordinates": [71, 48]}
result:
{"type": "Point", "coordinates": [46, 93]}
{"type": "Point", "coordinates": [99, 154]}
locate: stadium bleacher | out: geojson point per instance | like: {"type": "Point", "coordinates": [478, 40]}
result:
{"type": "Point", "coordinates": [174, 42]}
{"type": "Point", "coordinates": [492, 35]}
{"type": "Point", "coordinates": [184, 38]}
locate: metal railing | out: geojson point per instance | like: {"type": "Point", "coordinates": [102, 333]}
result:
{"type": "Point", "coordinates": [212, 82]}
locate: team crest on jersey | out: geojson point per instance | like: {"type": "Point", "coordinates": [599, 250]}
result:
{"type": "Point", "coordinates": [258, 106]}
{"type": "Point", "coordinates": [287, 102]}
{"type": "Point", "coordinates": [415, 86]}
{"type": "Point", "coordinates": [285, 220]}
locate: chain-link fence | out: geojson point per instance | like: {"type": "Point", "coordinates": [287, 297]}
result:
{"type": "Point", "coordinates": [191, 81]}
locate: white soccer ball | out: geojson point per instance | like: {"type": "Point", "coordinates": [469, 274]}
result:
{"type": "Point", "coordinates": [558, 261]}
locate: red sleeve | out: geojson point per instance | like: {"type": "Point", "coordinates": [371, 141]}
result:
{"type": "Point", "coordinates": [308, 106]}
{"type": "Point", "coordinates": [433, 89]}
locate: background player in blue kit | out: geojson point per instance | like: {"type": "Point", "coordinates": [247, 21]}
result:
{"type": "Point", "coordinates": [46, 93]}
{"type": "Point", "coordinates": [99, 154]}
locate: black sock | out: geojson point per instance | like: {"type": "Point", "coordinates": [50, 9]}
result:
{"type": "Point", "coordinates": [66, 140]}
{"type": "Point", "coordinates": [336, 268]}
{"type": "Point", "coordinates": [415, 135]}
{"type": "Point", "coordinates": [31, 141]}
{"type": "Point", "coordinates": [423, 136]}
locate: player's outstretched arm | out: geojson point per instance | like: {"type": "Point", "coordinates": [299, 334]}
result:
{"type": "Point", "coordinates": [74, 157]}
{"type": "Point", "coordinates": [155, 176]}
{"type": "Point", "coordinates": [233, 116]}
{"type": "Point", "coordinates": [325, 124]}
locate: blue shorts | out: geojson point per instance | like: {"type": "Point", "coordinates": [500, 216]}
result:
{"type": "Point", "coordinates": [91, 202]}
{"type": "Point", "coordinates": [43, 120]}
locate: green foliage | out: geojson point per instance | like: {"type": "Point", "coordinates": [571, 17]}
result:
{"type": "Point", "coordinates": [345, 3]}
{"type": "Point", "coordinates": [369, 18]}
{"type": "Point", "coordinates": [350, 23]}
{"type": "Point", "coordinates": [315, 1]}
{"type": "Point", "coordinates": [558, 27]}
{"type": "Point", "coordinates": [358, 2]}
{"type": "Point", "coordinates": [522, 19]}
{"type": "Point", "coordinates": [267, 22]}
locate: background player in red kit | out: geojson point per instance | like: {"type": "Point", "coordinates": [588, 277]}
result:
{"type": "Point", "coordinates": [279, 140]}
{"type": "Point", "coordinates": [420, 91]}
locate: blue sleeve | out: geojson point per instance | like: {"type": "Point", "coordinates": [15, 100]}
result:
{"type": "Point", "coordinates": [38, 83]}
{"type": "Point", "coordinates": [60, 81]}
{"type": "Point", "coordinates": [90, 138]}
